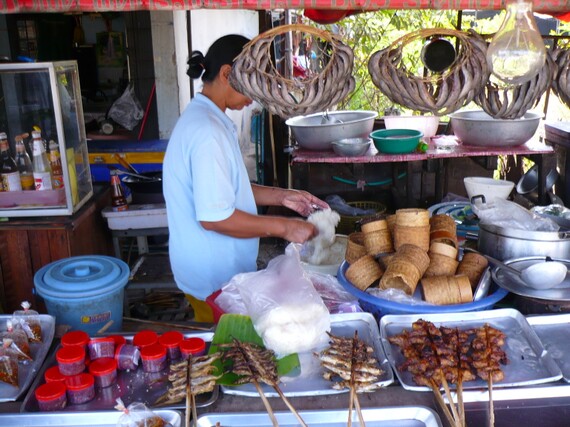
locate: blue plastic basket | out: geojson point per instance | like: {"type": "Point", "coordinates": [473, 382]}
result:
{"type": "Point", "coordinates": [379, 306]}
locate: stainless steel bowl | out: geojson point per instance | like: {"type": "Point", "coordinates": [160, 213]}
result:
{"type": "Point", "coordinates": [312, 134]}
{"type": "Point", "coordinates": [478, 128]}
{"type": "Point", "coordinates": [351, 147]}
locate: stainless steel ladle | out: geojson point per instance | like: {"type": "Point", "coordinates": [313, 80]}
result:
{"type": "Point", "coordinates": [329, 120]}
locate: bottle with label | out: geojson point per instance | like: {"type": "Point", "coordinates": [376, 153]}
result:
{"type": "Point", "coordinates": [118, 200]}
{"type": "Point", "coordinates": [42, 169]}
{"type": "Point", "coordinates": [55, 163]}
{"type": "Point", "coordinates": [24, 165]}
{"type": "Point", "coordinates": [8, 170]}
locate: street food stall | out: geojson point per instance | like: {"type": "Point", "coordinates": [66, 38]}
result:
{"type": "Point", "coordinates": [414, 317]}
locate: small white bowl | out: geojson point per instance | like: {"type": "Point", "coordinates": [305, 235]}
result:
{"type": "Point", "coordinates": [488, 187]}
{"type": "Point", "coordinates": [351, 147]}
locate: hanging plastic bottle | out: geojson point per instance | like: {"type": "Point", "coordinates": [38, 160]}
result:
{"type": "Point", "coordinates": [55, 163]}
{"type": "Point", "coordinates": [118, 200]}
{"type": "Point", "coordinates": [24, 165]}
{"type": "Point", "coordinates": [8, 170]}
{"type": "Point", "coordinates": [42, 169]}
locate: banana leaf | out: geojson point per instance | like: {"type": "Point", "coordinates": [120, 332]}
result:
{"type": "Point", "coordinates": [241, 327]}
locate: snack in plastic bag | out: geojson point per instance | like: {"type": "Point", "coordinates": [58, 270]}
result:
{"type": "Point", "coordinates": [137, 415]}
{"type": "Point", "coordinates": [13, 350]}
{"type": "Point", "coordinates": [29, 321]}
{"type": "Point", "coordinates": [286, 310]}
{"type": "Point", "coordinates": [19, 339]}
{"type": "Point", "coordinates": [8, 368]}
{"type": "Point", "coordinates": [333, 294]}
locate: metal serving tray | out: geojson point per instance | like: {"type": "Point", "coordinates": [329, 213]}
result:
{"type": "Point", "coordinates": [74, 419]}
{"type": "Point", "coordinates": [309, 381]}
{"type": "Point", "coordinates": [554, 333]}
{"type": "Point", "coordinates": [529, 363]}
{"type": "Point", "coordinates": [131, 386]}
{"type": "Point", "coordinates": [400, 416]}
{"type": "Point", "coordinates": [28, 371]}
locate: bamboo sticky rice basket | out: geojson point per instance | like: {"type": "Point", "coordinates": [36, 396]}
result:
{"type": "Point", "coordinates": [447, 290]}
{"type": "Point", "coordinates": [472, 265]}
{"type": "Point", "coordinates": [378, 242]}
{"type": "Point", "coordinates": [364, 272]}
{"type": "Point", "coordinates": [355, 248]}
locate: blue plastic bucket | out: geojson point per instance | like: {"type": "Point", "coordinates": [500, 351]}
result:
{"type": "Point", "coordinates": [85, 292]}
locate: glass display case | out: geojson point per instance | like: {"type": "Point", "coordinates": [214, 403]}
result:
{"type": "Point", "coordinates": [45, 97]}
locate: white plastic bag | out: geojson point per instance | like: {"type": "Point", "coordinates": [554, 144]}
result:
{"type": "Point", "coordinates": [127, 110]}
{"type": "Point", "coordinates": [507, 214]}
{"type": "Point", "coordinates": [286, 310]}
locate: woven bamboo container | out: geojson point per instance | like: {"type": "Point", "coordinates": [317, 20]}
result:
{"type": "Point", "coordinates": [446, 290]}
{"type": "Point", "coordinates": [355, 248]}
{"type": "Point", "coordinates": [391, 221]}
{"type": "Point", "coordinates": [442, 249]}
{"type": "Point", "coordinates": [377, 224]}
{"type": "Point", "coordinates": [443, 222]}
{"type": "Point", "coordinates": [472, 265]}
{"type": "Point", "coordinates": [415, 235]}
{"type": "Point", "coordinates": [385, 259]}
{"type": "Point", "coordinates": [412, 217]}
{"type": "Point", "coordinates": [364, 272]}
{"type": "Point", "coordinates": [400, 274]}
{"type": "Point", "coordinates": [441, 265]}
{"type": "Point", "coordinates": [414, 255]}
{"type": "Point", "coordinates": [378, 242]}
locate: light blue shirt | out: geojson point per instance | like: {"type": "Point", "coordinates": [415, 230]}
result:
{"type": "Point", "coordinates": [205, 179]}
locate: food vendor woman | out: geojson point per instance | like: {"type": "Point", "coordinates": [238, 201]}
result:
{"type": "Point", "coordinates": [211, 205]}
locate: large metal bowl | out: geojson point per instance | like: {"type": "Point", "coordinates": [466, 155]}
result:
{"type": "Point", "coordinates": [312, 134]}
{"type": "Point", "coordinates": [479, 128]}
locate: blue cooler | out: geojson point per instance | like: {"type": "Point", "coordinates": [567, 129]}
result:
{"type": "Point", "coordinates": [85, 292]}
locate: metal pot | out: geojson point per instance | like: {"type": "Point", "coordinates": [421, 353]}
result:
{"type": "Point", "coordinates": [145, 191]}
{"type": "Point", "coordinates": [503, 243]}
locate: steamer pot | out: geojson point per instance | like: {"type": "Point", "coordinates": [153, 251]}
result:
{"type": "Point", "coordinates": [503, 243]}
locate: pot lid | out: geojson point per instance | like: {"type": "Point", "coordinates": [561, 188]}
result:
{"type": "Point", "coordinates": [81, 277]}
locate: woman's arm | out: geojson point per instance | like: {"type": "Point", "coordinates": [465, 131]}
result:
{"type": "Point", "coordinates": [302, 202]}
{"type": "Point", "coordinates": [244, 225]}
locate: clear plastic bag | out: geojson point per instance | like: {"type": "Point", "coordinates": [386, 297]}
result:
{"type": "Point", "coordinates": [336, 299]}
{"type": "Point", "coordinates": [18, 338]}
{"type": "Point", "coordinates": [137, 415]}
{"type": "Point", "coordinates": [29, 321]}
{"type": "Point", "coordinates": [127, 110]}
{"type": "Point", "coordinates": [338, 204]}
{"type": "Point", "coordinates": [8, 367]}
{"type": "Point", "coordinates": [286, 310]}
{"type": "Point", "coordinates": [507, 214]}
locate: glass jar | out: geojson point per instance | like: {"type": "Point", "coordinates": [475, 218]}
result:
{"type": "Point", "coordinates": [145, 338]}
{"type": "Point", "coordinates": [80, 388]}
{"type": "Point", "coordinates": [171, 341]}
{"type": "Point", "coordinates": [80, 338]}
{"type": "Point", "coordinates": [127, 357]}
{"type": "Point", "coordinates": [104, 371]}
{"type": "Point", "coordinates": [192, 347]}
{"type": "Point", "coordinates": [71, 360]}
{"type": "Point", "coordinates": [54, 375]}
{"type": "Point", "coordinates": [153, 358]}
{"type": "Point", "coordinates": [51, 396]}
{"type": "Point", "coordinates": [101, 347]}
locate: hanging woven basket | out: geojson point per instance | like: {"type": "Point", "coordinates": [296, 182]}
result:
{"type": "Point", "coordinates": [437, 93]}
{"type": "Point", "coordinates": [255, 75]}
{"type": "Point", "coordinates": [561, 77]}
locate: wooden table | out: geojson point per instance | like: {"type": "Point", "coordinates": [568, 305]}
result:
{"type": "Point", "coordinates": [441, 149]}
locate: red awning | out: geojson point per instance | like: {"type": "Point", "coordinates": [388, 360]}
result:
{"type": "Point", "coordinates": [552, 7]}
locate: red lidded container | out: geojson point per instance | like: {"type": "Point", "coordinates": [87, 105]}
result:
{"type": "Point", "coordinates": [145, 338]}
{"type": "Point", "coordinates": [51, 396]}
{"type": "Point", "coordinates": [171, 341]}
{"type": "Point", "coordinates": [104, 371]}
{"type": "Point", "coordinates": [119, 339]}
{"type": "Point", "coordinates": [153, 358]}
{"type": "Point", "coordinates": [53, 375]}
{"type": "Point", "coordinates": [101, 347]}
{"type": "Point", "coordinates": [127, 357]}
{"type": "Point", "coordinates": [71, 360]}
{"type": "Point", "coordinates": [192, 346]}
{"type": "Point", "coordinates": [80, 338]}
{"type": "Point", "coordinates": [80, 388]}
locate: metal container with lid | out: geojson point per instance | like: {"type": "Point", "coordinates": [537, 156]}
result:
{"type": "Point", "coordinates": [85, 292]}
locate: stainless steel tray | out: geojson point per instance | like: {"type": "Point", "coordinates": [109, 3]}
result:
{"type": "Point", "coordinates": [554, 333]}
{"type": "Point", "coordinates": [39, 351]}
{"type": "Point", "coordinates": [74, 419]}
{"type": "Point", "coordinates": [309, 381]}
{"type": "Point", "coordinates": [514, 284]}
{"type": "Point", "coordinates": [131, 386]}
{"type": "Point", "coordinates": [529, 363]}
{"type": "Point", "coordinates": [399, 416]}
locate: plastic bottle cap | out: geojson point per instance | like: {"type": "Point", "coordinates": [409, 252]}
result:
{"type": "Point", "coordinates": [193, 345]}
{"type": "Point", "coordinates": [145, 338]}
{"type": "Point", "coordinates": [102, 366]}
{"type": "Point", "coordinates": [80, 338]}
{"type": "Point", "coordinates": [154, 351]}
{"type": "Point", "coordinates": [50, 391]}
{"type": "Point", "coordinates": [53, 375]}
{"type": "Point", "coordinates": [71, 354]}
{"type": "Point", "coordinates": [80, 382]}
{"type": "Point", "coordinates": [171, 339]}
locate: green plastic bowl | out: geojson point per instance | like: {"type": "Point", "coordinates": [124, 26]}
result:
{"type": "Point", "coordinates": [396, 141]}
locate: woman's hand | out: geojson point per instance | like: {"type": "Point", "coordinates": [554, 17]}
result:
{"type": "Point", "coordinates": [299, 231]}
{"type": "Point", "coordinates": [302, 202]}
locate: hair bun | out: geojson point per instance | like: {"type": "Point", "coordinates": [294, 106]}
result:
{"type": "Point", "coordinates": [196, 64]}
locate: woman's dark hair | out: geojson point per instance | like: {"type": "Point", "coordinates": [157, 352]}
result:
{"type": "Point", "coordinates": [223, 51]}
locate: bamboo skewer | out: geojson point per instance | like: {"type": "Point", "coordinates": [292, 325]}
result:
{"type": "Point", "coordinates": [170, 325]}
{"type": "Point", "coordinates": [350, 405]}
{"type": "Point", "coordinates": [289, 405]}
{"type": "Point", "coordinates": [450, 398]}
{"type": "Point", "coordinates": [439, 399]}
{"type": "Point", "coordinates": [491, 404]}
{"type": "Point", "coordinates": [266, 403]}
{"type": "Point", "coordinates": [188, 393]}
{"type": "Point", "coordinates": [358, 409]}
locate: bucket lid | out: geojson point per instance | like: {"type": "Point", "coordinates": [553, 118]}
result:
{"type": "Point", "coordinates": [81, 277]}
